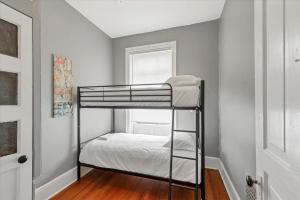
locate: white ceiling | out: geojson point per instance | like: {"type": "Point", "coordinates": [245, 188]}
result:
{"type": "Point", "coordinates": [119, 18]}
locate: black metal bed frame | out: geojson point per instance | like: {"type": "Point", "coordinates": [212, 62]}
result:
{"type": "Point", "coordinates": [105, 94]}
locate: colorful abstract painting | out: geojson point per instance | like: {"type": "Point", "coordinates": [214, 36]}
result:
{"type": "Point", "coordinates": [63, 86]}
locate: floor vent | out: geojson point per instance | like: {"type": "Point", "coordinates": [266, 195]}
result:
{"type": "Point", "coordinates": [250, 192]}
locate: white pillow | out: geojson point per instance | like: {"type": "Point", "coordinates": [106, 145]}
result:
{"type": "Point", "coordinates": [184, 80]}
{"type": "Point", "coordinates": [182, 141]}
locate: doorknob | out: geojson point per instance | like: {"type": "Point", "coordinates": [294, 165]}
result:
{"type": "Point", "coordinates": [22, 159]}
{"type": "Point", "coordinates": [250, 181]}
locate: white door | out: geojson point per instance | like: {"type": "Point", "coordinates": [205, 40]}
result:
{"type": "Point", "coordinates": [277, 77]}
{"type": "Point", "coordinates": [15, 105]}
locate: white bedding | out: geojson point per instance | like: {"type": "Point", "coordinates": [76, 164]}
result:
{"type": "Point", "coordinates": [183, 96]}
{"type": "Point", "coordinates": [139, 153]}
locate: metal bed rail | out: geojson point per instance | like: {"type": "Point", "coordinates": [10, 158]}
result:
{"type": "Point", "coordinates": [89, 96]}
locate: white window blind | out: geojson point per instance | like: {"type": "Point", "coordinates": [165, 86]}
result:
{"type": "Point", "coordinates": [150, 66]}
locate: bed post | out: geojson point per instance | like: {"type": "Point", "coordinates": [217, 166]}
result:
{"type": "Point", "coordinates": [78, 133]}
{"type": "Point", "coordinates": [197, 156]}
{"type": "Point", "coordinates": [202, 140]}
{"type": "Point", "coordinates": [113, 121]}
{"type": "Point", "coordinates": [171, 155]}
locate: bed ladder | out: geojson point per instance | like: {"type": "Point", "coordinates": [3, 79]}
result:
{"type": "Point", "coordinates": [196, 159]}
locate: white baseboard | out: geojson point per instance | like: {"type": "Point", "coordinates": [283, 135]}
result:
{"type": "Point", "coordinates": [233, 195]}
{"type": "Point", "coordinates": [216, 163]}
{"type": "Point", "coordinates": [61, 182]}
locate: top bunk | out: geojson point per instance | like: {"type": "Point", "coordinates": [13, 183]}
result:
{"type": "Point", "coordinates": [176, 94]}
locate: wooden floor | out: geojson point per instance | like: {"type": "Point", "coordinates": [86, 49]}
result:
{"type": "Point", "coordinates": [104, 185]}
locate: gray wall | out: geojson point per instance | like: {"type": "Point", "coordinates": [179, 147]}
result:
{"type": "Point", "coordinates": [36, 88]}
{"type": "Point", "coordinates": [236, 68]}
{"type": "Point", "coordinates": [22, 6]}
{"type": "Point", "coordinates": [65, 32]}
{"type": "Point", "coordinates": [197, 54]}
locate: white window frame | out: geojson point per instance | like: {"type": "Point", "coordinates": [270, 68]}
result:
{"type": "Point", "coordinates": [144, 49]}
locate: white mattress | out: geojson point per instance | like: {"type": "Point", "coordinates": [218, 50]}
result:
{"type": "Point", "coordinates": [139, 153]}
{"type": "Point", "coordinates": [183, 96]}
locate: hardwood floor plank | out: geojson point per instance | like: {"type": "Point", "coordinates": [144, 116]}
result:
{"type": "Point", "coordinates": [217, 185]}
{"type": "Point", "coordinates": [105, 185]}
{"type": "Point", "coordinates": [74, 189]}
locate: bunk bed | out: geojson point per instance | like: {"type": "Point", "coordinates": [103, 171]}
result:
{"type": "Point", "coordinates": [147, 156]}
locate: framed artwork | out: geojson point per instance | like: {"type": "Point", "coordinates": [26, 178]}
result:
{"type": "Point", "coordinates": [63, 86]}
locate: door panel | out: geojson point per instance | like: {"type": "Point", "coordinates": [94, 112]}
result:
{"type": "Point", "coordinates": [273, 194]}
{"type": "Point", "coordinates": [9, 38]}
{"type": "Point", "coordinates": [15, 104]}
{"type": "Point", "coordinates": [8, 88]}
{"type": "Point", "coordinates": [8, 138]}
{"type": "Point", "coordinates": [293, 83]}
{"type": "Point", "coordinates": [8, 181]}
{"type": "Point", "coordinates": [274, 49]}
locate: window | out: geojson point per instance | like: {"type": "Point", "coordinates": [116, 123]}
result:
{"type": "Point", "coordinates": [150, 64]}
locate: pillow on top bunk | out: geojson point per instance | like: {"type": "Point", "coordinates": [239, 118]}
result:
{"type": "Point", "coordinates": [182, 141]}
{"type": "Point", "coordinates": [184, 80]}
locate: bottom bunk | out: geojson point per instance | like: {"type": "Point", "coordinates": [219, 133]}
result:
{"type": "Point", "coordinates": [142, 154]}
